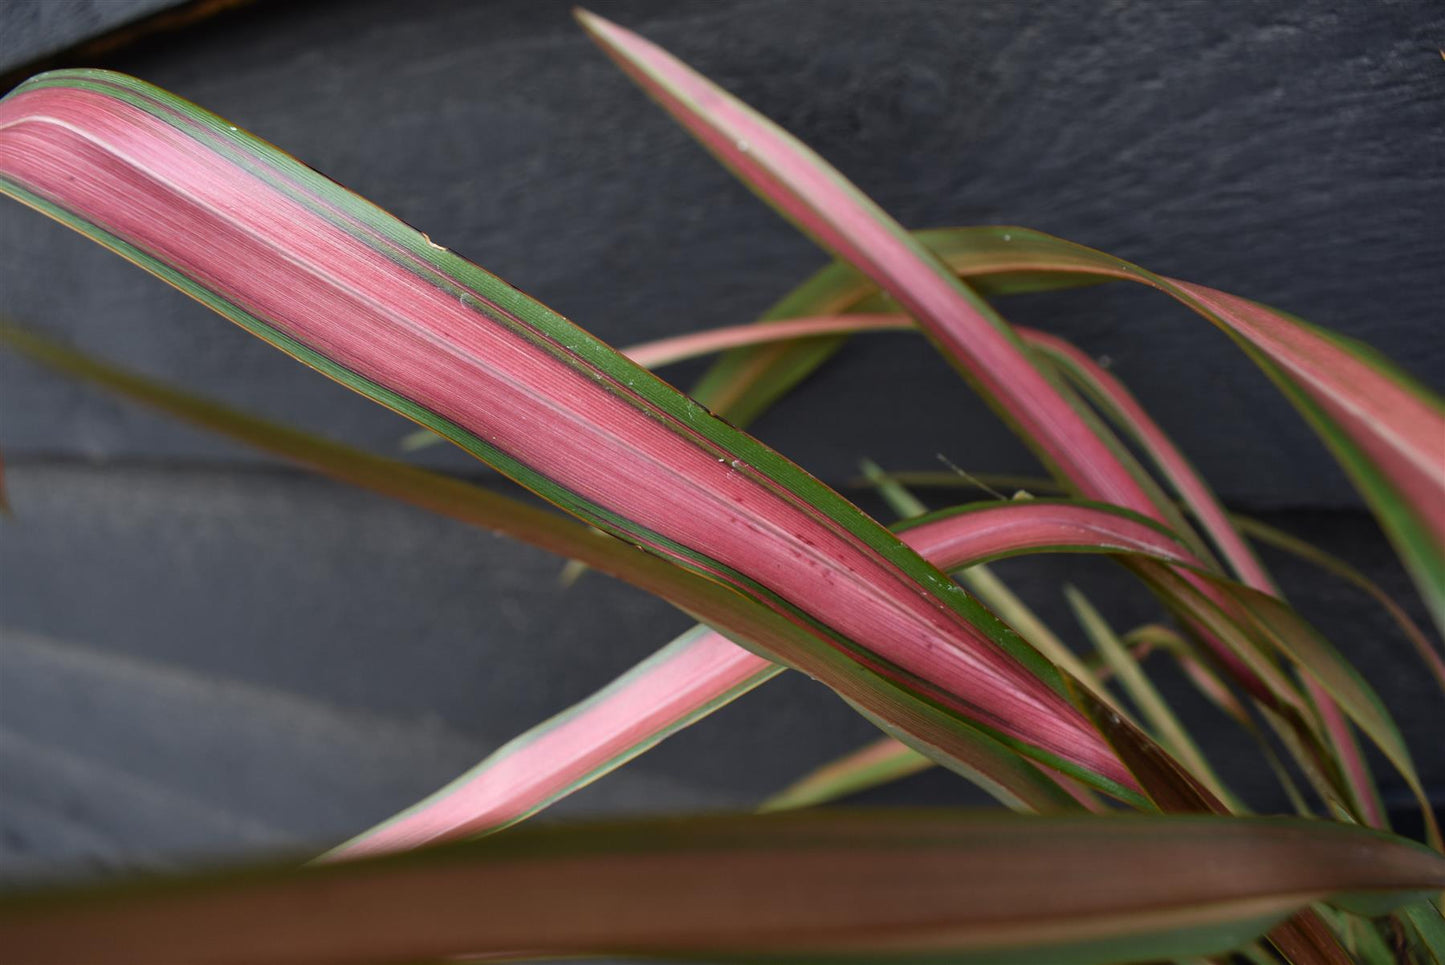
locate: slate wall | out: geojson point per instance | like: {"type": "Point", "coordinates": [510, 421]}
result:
{"type": "Point", "coordinates": [204, 650]}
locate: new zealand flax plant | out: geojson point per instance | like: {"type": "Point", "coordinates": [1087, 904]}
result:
{"type": "Point", "coordinates": [1124, 846]}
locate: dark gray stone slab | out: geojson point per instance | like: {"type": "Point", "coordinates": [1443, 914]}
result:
{"type": "Point", "coordinates": [114, 763]}
{"type": "Point", "coordinates": [32, 29]}
{"type": "Point", "coordinates": [1288, 155]}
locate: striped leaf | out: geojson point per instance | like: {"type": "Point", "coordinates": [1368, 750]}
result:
{"type": "Point", "coordinates": [1163, 724]}
{"type": "Point", "coordinates": [887, 760]}
{"type": "Point", "coordinates": [809, 192]}
{"type": "Point", "coordinates": [701, 671]}
{"type": "Point", "coordinates": [1272, 536]}
{"type": "Point", "coordinates": [372, 303]}
{"type": "Point", "coordinates": [881, 762]}
{"type": "Point", "coordinates": [683, 682]}
{"type": "Point", "coordinates": [993, 591]}
{"type": "Point", "coordinates": [431, 491]}
{"type": "Point", "coordinates": [1427, 927]}
{"type": "Point", "coordinates": [691, 677]}
{"type": "Point", "coordinates": [678, 348]}
{"type": "Point", "coordinates": [1118, 403]}
{"type": "Point", "coordinates": [1250, 526]}
{"type": "Point", "coordinates": [912, 886]}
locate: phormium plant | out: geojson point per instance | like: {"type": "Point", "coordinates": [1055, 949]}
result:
{"type": "Point", "coordinates": [1128, 846]}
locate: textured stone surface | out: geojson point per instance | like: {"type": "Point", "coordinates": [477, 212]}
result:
{"type": "Point", "coordinates": [202, 652]}
{"type": "Point", "coordinates": [32, 29]}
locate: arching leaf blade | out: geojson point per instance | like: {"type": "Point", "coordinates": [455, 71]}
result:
{"type": "Point", "coordinates": [1279, 539]}
{"type": "Point", "coordinates": [900, 887]}
{"type": "Point", "coordinates": [821, 202]}
{"type": "Point", "coordinates": [881, 762]}
{"type": "Point", "coordinates": [1163, 723]}
{"type": "Point", "coordinates": [363, 298]}
{"type": "Point", "coordinates": [701, 671]}
{"type": "Point", "coordinates": [698, 674]}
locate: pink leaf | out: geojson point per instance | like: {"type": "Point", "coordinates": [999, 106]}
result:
{"type": "Point", "coordinates": [703, 670]}
{"type": "Point", "coordinates": [369, 301]}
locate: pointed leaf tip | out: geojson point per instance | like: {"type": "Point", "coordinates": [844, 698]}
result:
{"type": "Point", "coordinates": [602, 30]}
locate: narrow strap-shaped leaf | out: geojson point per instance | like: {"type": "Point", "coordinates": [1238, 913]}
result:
{"type": "Point", "coordinates": [1279, 539]}
{"type": "Point", "coordinates": [1248, 525]}
{"type": "Point", "coordinates": [820, 201]}
{"type": "Point", "coordinates": [683, 682]}
{"type": "Point", "coordinates": [1306, 939]}
{"type": "Point", "coordinates": [1210, 683]}
{"type": "Point", "coordinates": [1317, 658]}
{"type": "Point", "coordinates": [993, 530]}
{"type": "Point", "coordinates": [678, 348]}
{"type": "Point", "coordinates": [1196, 495]}
{"type": "Point", "coordinates": [1162, 721]}
{"type": "Point", "coordinates": [988, 587]}
{"type": "Point", "coordinates": [886, 759]}
{"type": "Point", "coordinates": [881, 762]}
{"type": "Point", "coordinates": [374, 304]}
{"type": "Point", "coordinates": [697, 674]}
{"type": "Point", "coordinates": [901, 887]}
{"type": "Point", "coordinates": [1387, 432]}
{"type": "Point", "coordinates": [701, 671]}
{"type": "Point", "coordinates": [1427, 926]}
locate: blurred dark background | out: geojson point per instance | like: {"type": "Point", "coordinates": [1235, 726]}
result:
{"type": "Point", "coordinates": [203, 651]}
